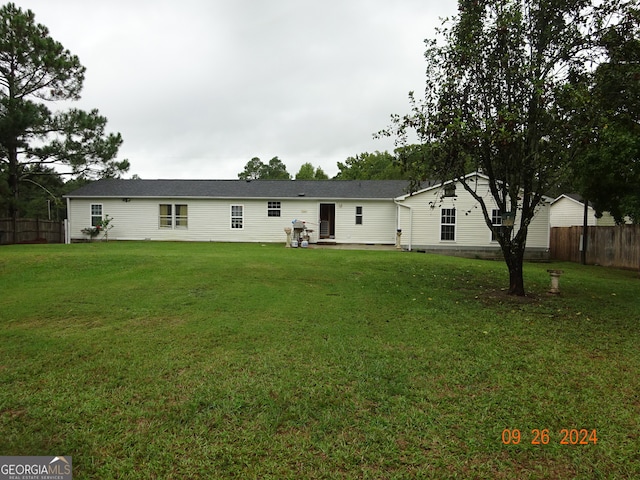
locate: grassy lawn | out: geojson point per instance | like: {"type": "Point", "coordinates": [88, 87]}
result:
{"type": "Point", "coordinates": [181, 360]}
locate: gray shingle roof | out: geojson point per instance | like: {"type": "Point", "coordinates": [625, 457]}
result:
{"type": "Point", "coordinates": [325, 189]}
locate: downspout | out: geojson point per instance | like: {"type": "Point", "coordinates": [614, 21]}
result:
{"type": "Point", "coordinates": [67, 223]}
{"type": "Point", "coordinates": [410, 222]}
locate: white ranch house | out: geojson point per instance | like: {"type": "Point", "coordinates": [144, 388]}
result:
{"type": "Point", "coordinates": [334, 211]}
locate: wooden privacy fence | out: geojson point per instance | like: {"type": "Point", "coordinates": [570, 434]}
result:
{"type": "Point", "coordinates": [30, 230]}
{"type": "Point", "coordinates": [617, 246]}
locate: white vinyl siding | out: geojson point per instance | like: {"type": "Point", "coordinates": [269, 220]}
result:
{"type": "Point", "coordinates": [421, 223]}
{"type": "Point", "coordinates": [210, 220]}
{"type": "Point", "coordinates": [567, 212]}
{"type": "Point", "coordinates": [378, 227]}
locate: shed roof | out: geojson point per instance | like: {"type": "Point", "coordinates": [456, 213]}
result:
{"type": "Point", "coordinates": [324, 189]}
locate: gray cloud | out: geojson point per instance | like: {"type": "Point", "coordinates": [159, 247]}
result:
{"type": "Point", "coordinates": [198, 87]}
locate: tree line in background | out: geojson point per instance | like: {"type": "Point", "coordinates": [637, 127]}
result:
{"type": "Point", "coordinates": [365, 166]}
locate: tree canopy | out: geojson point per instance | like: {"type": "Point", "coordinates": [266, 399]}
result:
{"type": "Point", "coordinates": [41, 193]}
{"type": "Point", "coordinates": [309, 172]}
{"type": "Point", "coordinates": [498, 82]}
{"type": "Point", "coordinates": [255, 169]}
{"type": "Point", "coordinates": [35, 70]}
{"type": "Point", "coordinates": [371, 166]}
{"type": "Point", "coordinates": [608, 174]}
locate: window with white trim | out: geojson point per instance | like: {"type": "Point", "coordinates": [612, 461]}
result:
{"type": "Point", "coordinates": [237, 216]}
{"type": "Point", "coordinates": [496, 221]}
{"type": "Point", "coordinates": [358, 215]}
{"type": "Point", "coordinates": [448, 224]}
{"type": "Point", "coordinates": [273, 209]}
{"type": "Point", "coordinates": [181, 216]}
{"type": "Point", "coordinates": [173, 216]}
{"type": "Point", "coordinates": [96, 214]}
{"type": "Point", "coordinates": [166, 216]}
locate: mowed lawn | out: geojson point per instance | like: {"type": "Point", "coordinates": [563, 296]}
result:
{"type": "Point", "coordinates": [205, 360]}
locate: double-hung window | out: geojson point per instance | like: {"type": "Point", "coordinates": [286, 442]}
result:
{"type": "Point", "coordinates": [237, 216]}
{"type": "Point", "coordinates": [166, 215]}
{"type": "Point", "coordinates": [173, 216]}
{"type": "Point", "coordinates": [448, 224]}
{"type": "Point", "coordinates": [496, 221]}
{"type": "Point", "coordinates": [96, 214]}
{"type": "Point", "coordinates": [358, 215]}
{"type": "Point", "coordinates": [181, 216]}
{"type": "Point", "coordinates": [273, 209]}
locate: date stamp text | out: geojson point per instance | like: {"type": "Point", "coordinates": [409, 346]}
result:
{"type": "Point", "coordinates": [566, 436]}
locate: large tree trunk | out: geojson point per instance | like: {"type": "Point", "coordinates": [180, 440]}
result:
{"type": "Point", "coordinates": [14, 182]}
{"type": "Point", "coordinates": [10, 141]}
{"type": "Point", "coordinates": [514, 258]}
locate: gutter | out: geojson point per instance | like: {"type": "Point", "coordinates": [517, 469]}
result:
{"type": "Point", "coordinates": [410, 222]}
{"type": "Point", "coordinates": [232, 197]}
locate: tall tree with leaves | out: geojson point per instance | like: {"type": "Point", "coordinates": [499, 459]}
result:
{"type": "Point", "coordinates": [275, 170]}
{"type": "Point", "coordinates": [308, 172]}
{"type": "Point", "coordinates": [256, 169]}
{"type": "Point", "coordinates": [252, 170]}
{"type": "Point", "coordinates": [609, 173]}
{"type": "Point", "coordinates": [320, 174]}
{"type": "Point", "coordinates": [36, 69]}
{"type": "Point", "coordinates": [370, 166]}
{"type": "Point", "coordinates": [491, 103]}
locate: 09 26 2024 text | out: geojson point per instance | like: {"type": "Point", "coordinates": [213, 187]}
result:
{"type": "Point", "coordinates": [543, 436]}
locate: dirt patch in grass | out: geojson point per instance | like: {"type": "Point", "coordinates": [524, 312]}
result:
{"type": "Point", "coordinates": [491, 298]}
{"type": "Point", "coordinates": [13, 413]}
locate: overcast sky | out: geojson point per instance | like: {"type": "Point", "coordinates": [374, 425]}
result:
{"type": "Point", "coordinates": [199, 87]}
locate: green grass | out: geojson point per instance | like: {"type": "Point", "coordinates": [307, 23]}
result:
{"type": "Point", "coordinates": [181, 360]}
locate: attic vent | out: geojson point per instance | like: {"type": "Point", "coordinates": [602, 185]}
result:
{"type": "Point", "coordinates": [450, 190]}
{"type": "Point", "coordinates": [301, 194]}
